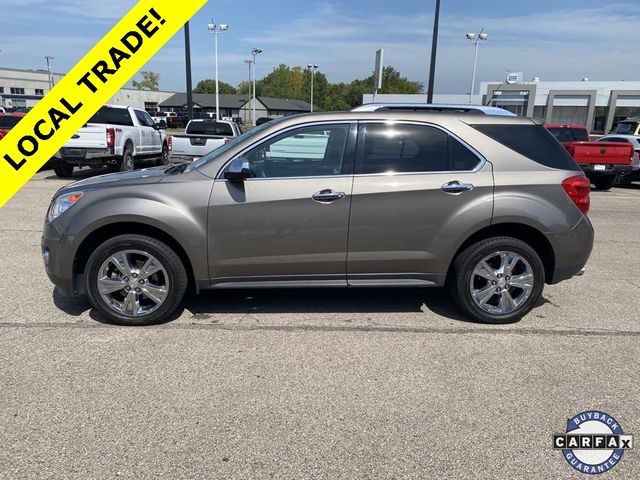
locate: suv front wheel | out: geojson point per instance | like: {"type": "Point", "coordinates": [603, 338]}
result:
{"type": "Point", "coordinates": [135, 280]}
{"type": "Point", "coordinates": [497, 280]}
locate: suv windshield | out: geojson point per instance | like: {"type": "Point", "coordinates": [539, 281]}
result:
{"type": "Point", "coordinates": [626, 128]}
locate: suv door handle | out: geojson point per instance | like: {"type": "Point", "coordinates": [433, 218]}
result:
{"type": "Point", "coordinates": [327, 196]}
{"type": "Point", "coordinates": [456, 187]}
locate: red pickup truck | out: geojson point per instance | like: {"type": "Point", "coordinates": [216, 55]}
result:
{"type": "Point", "coordinates": [602, 162]}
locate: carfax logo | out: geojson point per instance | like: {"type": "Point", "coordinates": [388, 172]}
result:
{"type": "Point", "coordinates": [594, 442]}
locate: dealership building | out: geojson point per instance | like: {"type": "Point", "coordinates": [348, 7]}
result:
{"type": "Point", "coordinates": [599, 105]}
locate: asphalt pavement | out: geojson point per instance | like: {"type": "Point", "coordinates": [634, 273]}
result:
{"type": "Point", "coordinates": [358, 384]}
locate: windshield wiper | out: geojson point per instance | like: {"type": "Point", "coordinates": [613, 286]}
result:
{"type": "Point", "coordinates": [176, 169]}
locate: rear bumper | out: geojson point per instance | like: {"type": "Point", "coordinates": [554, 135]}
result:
{"type": "Point", "coordinates": [79, 155]}
{"type": "Point", "coordinates": [572, 251]}
{"type": "Point", "coordinates": [609, 170]}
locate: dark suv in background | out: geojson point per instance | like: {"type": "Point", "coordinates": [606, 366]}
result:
{"type": "Point", "coordinates": [491, 206]}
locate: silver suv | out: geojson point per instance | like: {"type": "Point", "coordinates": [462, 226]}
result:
{"type": "Point", "coordinates": [491, 206]}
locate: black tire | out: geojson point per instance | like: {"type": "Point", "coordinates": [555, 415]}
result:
{"type": "Point", "coordinates": [62, 169]}
{"type": "Point", "coordinates": [127, 162]}
{"type": "Point", "coordinates": [176, 280]}
{"type": "Point", "coordinates": [604, 183]}
{"type": "Point", "coordinates": [164, 159]}
{"type": "Point", "coordinates": [461, 274]}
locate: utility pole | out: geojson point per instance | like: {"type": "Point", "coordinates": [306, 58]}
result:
{"type": "Point", "coordinates": [434, 52]}
{"type": "Point", "coordinates": [187, 54]}
{"type": "Point", "coordinates": [51, 82]}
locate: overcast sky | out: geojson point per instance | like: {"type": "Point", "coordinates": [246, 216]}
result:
{"type": "Point", "coordinates": [553, 40]}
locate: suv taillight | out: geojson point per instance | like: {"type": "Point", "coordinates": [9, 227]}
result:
{"type": "Point", "coordinates": [170, 143]}
{"type": "Point", "coordinates": [111, 137]}
{"type": "Point", "coordinates": [579, 188]}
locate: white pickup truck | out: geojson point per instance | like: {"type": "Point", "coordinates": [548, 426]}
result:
{"type": "Point", "coordinates": [116, 136]}
{"type": "Point", "coordinates": [203, 136]}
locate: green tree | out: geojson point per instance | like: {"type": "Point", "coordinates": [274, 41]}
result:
{"type": "Point", "coordinates": [150, 81]}
{"type": "Point", "coordinates": [209, 86]}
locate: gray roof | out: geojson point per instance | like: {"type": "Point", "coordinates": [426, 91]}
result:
{"type": "Point", "coordinates": [232, 101]}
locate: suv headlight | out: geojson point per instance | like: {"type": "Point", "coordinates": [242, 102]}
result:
{"type": "Point", "coordinates": [62, 203]}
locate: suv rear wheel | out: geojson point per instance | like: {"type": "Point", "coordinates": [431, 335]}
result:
{"type": "Point", "coordinates": [127, 163]}
{"type": "Point", "coordinates": [135, 280]}
{"type": "Point", "coordinates": [497, 280]}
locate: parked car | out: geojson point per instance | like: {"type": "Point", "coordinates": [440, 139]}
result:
{"type": "Point", "coordinates": [160, 118]}
{"type": "Point", "coordinates": [176, 120]}
{"type": "Point", "coordinates": [630, 126]}
{"type": "Point", "coordinates": [634, 174]}
{"type": "Point", "coordinates": [8, 121]}
{"type": "Point", "coordinates": [491, 206]}
{"type": "Point", "coordinates": [602, 162]}
{"type": "Point", "coordinates": [202, 137]}
{"type": "Point", "coordinates": [263, 120]}
{"type": "Point", "coordinates": [115, 136]}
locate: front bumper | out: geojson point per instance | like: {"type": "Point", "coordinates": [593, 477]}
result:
{"type": "Point", "coordinates": [572, 251]}
{"type": "Point", "coordinates": [58, 254]}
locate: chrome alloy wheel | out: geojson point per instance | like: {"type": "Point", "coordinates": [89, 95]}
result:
{"type": "Point", "coordinates": [133, 283]}
{"type": "Point", "coordinates": [501, 282]}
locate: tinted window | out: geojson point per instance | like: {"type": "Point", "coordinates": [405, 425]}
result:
{"type": "Point", "coordinates": [113, 116]}
{"type": "Point", "coordinates": [626, 128]}
{"type": "Point", "coordinates": [304, 152]}
{"type": "Point", "coordinates": [144, 118]}
{"type": "Point", "coordinates": [532, 141]}
{"type": "Point", "coordinates": [413, 148]}
{"type": "Point", "coordinates": [209, 128]}
{"type": "Point", "coordinates": [614, 139]}
{"type": "Point", "coordinates": [566, 134]}
{"type": "Point", "coordinates": [8, 121]}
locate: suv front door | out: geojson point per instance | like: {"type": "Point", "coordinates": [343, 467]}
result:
{"type": "Point", "coordinates": [289, 222]}
{"type": "Point", "coordinates": [417, 193]}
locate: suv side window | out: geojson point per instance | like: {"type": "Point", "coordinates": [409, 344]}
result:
{"type": "Point", "coordinates": [144, 118]}
{"type": "Point", "coordinates": [303, 152]}
{"type": "Point", "coordinates": [404, 148]}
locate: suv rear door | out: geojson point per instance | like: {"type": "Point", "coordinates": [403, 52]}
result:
{"type": "Point", "coordinates": [290, 221]}
{"type": "Point", "coordinates": [418, 192]}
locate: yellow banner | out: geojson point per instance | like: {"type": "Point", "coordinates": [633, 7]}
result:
{"type": "Point", "coordinates": [87, 87]}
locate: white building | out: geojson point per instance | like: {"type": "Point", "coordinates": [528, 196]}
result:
{"type": "Point", "coordinates": [25, 88]}
{"type": "Point", "coordinates": [599, 105]}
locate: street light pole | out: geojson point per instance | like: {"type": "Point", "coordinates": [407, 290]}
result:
{"type": "Point", "coordinates": [434, 52]}
{"type": "Point", "coordinates": [476, 39]}
{"type": "Point", "coordinates": [313, 69]}
{"type": "Point", "coordinates": [255, 52]}
{"type": "Point", "coordinates": [48, 58]}
{"type": "Point", "coordinates": [250, 63]}
{"type": "Point", "coordinates": [214, 28]}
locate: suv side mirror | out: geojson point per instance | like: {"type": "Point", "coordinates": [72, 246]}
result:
{"type": "Point", "coordinates": [158, 126]}
{"type": "Point", "coordinates": [238, 170]}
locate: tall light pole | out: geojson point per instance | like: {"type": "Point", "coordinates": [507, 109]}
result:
{"type": "Point", "coordinates": [255, 52]}
{"type": "Point", "coordinates": [250, 63]}
{"type": "Point", "coordinates": [434, 53]}
{"type": "Point", "coordinates": [476, 39]}
{"type": "Point", "coordinates": [212, 27]}
{"type": "Point", "coordinates": [48, 58]}
{"type": "Point", "coordinates": [313, 69]}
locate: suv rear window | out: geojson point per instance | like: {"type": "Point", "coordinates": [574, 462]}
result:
{"type": "Point", "coordinates": [532, 141]}
{"type": "Point", "coordinates": [209, 128]}
{"type": "Point", "coordinates": [113, 116]}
